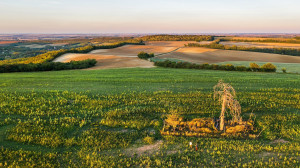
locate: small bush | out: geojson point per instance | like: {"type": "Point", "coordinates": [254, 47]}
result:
{"type": "Point", "coordinates": [215, 66]}
{"type": "Point", "coordinates": [148, 140]}
{"type": "Point", "coordinates": [47, 66]}
{"type": "Point", "coordinates": [254, 67]}
{"type": "Point", "coordinates": [283, 70]}
{"type": "Point", "coordinates": [268, 67]}
{"type": "Point", "coordinates": [229, 67]}
{"type": "Point", "coordinates": [241, 68]}
{"type": "Point", "coordinates": [205, 66]}
{"type": "Point", "coordinates": [144, 55]}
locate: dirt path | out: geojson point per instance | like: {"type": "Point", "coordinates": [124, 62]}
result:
{"type": "Point", "coordinates": [146, 149]}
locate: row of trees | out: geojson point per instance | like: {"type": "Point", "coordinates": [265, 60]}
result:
{"type": "Point", "coordinates": [164, 37]}
{"type": "Point", "coordinates": [47, 66]}
{"type": "Point", "coordinates": [82, 40]}
{"type": "Point", "coordinates": [268, 67]}
{"type": "Point", "coordinates": [216, 45]}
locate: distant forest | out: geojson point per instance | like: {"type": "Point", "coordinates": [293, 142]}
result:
{"type": "Point", "coordinates": [22, 49]}
{"type": "Point", "coordinates": [177, 38]}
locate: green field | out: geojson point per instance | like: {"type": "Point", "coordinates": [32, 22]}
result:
{"type": "Point", "coordinates": [100, 118]}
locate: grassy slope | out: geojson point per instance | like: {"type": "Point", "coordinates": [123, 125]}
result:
{"type": "Point", "coordinates": [114, 81]}
{"type": "Point", "coordinates": [22, 87]}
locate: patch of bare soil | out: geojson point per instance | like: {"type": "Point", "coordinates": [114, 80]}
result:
{"type": "Point", "coordinates": [125, 56]}
{"type": "Point", "coordinates": [107, 61]}
{"type": "Point", "coordinates": [146, 149]}
{"type": "Point", "coordinates": [267, 155]}
{"type": "Point", "coordinates": [206, 55]}
{"type": "Point", "coordinates": [7, 42]}
{"type": "Point", "coordinates": [279, 141]}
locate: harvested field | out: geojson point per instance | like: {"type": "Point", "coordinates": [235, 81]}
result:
{"type": "Point", "coordinates": [206, 55]}
{"type": "Point", "coordinates": [156, 47]}
{"type": "Point", "coordinates": [2, 43]}
{"type": "Point", "coordinates": [125, 56]}
{"type": "Point", "coordinates": [107, 61]}
{"type": "Point", "coordinates": [262, 45]}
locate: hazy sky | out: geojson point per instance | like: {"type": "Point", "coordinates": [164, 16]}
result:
{"type": "Point", "coordinates": [149, 16]}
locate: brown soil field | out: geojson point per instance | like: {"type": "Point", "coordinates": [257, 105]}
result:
{"type": "Point", "coordinates": [107, 61]}
{"type": "Point", "coordinates": [262, 45]}
{"type": "Point", "coordinates": [157, 47]}
{"type": "Point", "coordinates": [125, 56]}
{"type": "Point", "coordinates": [7, 42]}
{"type": "Point", "coordinates": [206, 55]}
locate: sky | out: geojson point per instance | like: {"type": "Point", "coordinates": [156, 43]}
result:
{"type": "Point", "coordinates": [149, 16]}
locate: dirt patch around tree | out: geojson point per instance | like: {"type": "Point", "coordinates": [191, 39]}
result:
{"type": "Point", "coordinates": [279, 141]}
{"type": "Point", "coordinates": [144, 150]}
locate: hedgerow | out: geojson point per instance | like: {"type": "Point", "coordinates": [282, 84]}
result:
{"type": "Point", "coordinates": [268, 67]}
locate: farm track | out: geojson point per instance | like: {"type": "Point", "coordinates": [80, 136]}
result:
{"type": "Point", "coordinates": [170, 51]}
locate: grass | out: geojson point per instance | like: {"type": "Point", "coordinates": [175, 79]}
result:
{"type": "Point", "coordinates": [88, 118]}
{"type": "Point", "coordinates": [115, 81]}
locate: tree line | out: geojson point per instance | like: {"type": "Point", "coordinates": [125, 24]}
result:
{"type": "Point", "coordinates": [216, 45]}
{"type": "Point", "coordinates": [80, 40]}
{"type": "Point", "coordinates": [47, 66]}
{"type": "Point", "coordinates": [268, 67]}
{"type": "Point", "coordinates": [165, 37]}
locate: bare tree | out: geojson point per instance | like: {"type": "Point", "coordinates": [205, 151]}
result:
{"type": "Point", "coordinates": [225, 94]}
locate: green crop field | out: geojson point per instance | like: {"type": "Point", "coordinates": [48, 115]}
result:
{"type": "Point", "coordinates": [112, 118]}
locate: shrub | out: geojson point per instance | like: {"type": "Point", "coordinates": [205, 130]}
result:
{"type": "Point", "coordinates": [215, 66]}
{"type": "Point", "coordinates": [241, 68]}
{"type": "Point", "coordinates": [144, 55]}
{"type": "Point", "coordinates": [148, 140]}
{"type": "Point", "coordinates": [229, 67]}
{"type": "Point", "coordinates": [268, 67]}
{"type": "Point", "coordinates": [222, 67]}
{"type": "Point", "coordinates": [47, 66]}
{"type": "Point", "coordinates": [205, 66]}
{"type": "Point", "coordinates": [254, 67]}
{"type": "Point", "coordinates": [283, 70]}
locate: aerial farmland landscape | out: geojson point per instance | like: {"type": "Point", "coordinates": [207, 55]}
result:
{"type": "Point", "coordinates": [149, 83]}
